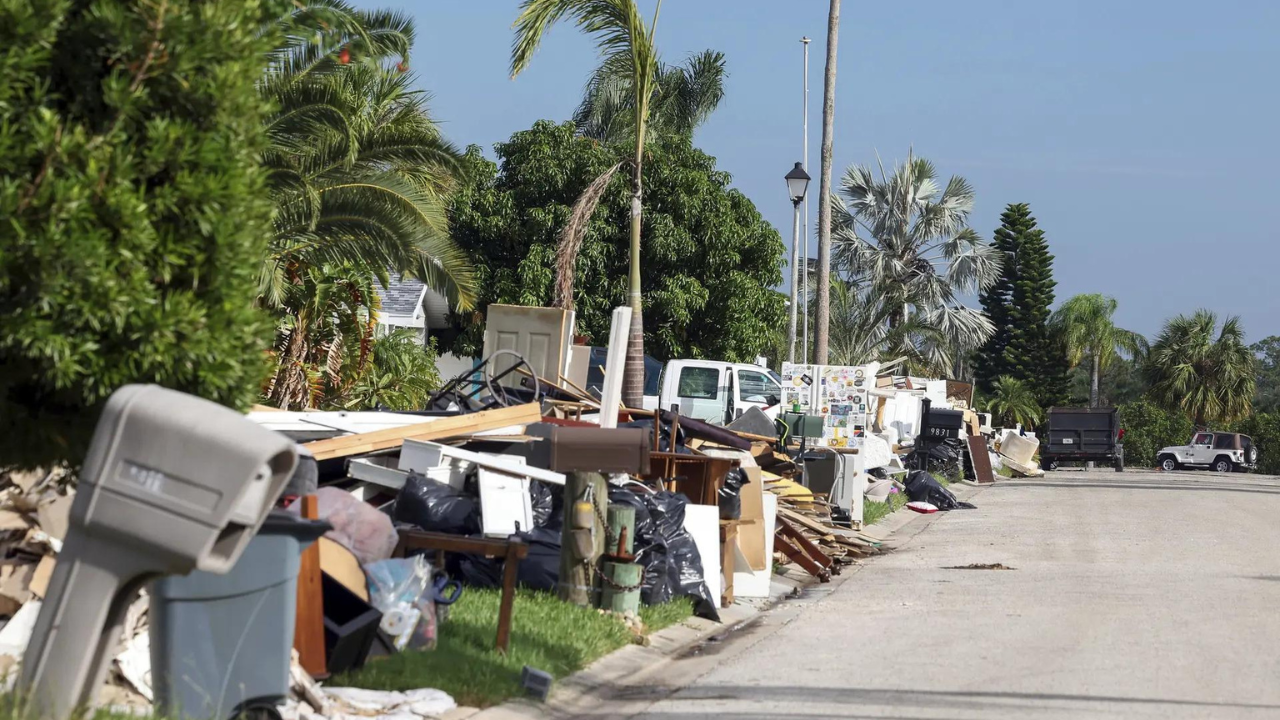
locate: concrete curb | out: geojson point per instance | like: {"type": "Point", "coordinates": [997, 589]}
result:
{"type": "Point", "coordinates": [578, 692]}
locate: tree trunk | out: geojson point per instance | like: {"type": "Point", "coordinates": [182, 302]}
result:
{"type": "Point", "coordinates": [824, 193]}
{"type": "Point", "coordinates": [1093, 390]}
{"type": "Point", "coordinates": [633, 376]}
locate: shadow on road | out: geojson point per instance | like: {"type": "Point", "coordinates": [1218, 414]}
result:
{"type": "Point", "coordinates": [860, 701]}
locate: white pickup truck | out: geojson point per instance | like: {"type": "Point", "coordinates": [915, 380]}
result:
{"type": "Point", "coordinates": [716, 392]}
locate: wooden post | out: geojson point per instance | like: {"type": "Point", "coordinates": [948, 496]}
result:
{"type": "Point", "coordinates": [622, 530]}
{"type": "Point", "coordinates": [511, 566]}
{"type": "Point", "coordinates": [627, 575]}
{"type": "Point", "coordinates": [308, 630]}
{"type": "Point", "coordinates": [577, 581]}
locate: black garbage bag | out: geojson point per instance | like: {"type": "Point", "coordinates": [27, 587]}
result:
{"type": "Point", "coordinates": [540, 569]}
{"type": "Point", "coordinates": [730, 495]}
{"type": "Point", "coordinates": [923, 487]}
{"type": "Point", "coordinates": [672, 565]}
{"type": "Point", "coordinates": [546, 501]}
{"type": "Point", "coordinates": [436, 507]}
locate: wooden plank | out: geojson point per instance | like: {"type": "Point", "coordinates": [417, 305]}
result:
{"type": "Point", "coordinates": [981, 460]}
{"type": "Point", "coordinates": [444, 427]}
{"type": "Point", "coordinates": [799, 519]}
{"type": "Point", "coordinates": [510, 567]}
{"type": "Point", "coordinates": [797, 556]}
{"type": "Point", "coordinates": [728, 551]}
{"type": "Point", "coordinates": [308, 631]}
{"type": "Point", "coordinates": [804, 543]}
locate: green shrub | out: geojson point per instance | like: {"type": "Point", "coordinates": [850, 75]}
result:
{"type": "Point", "coordinates": [1264, 429]}
{"type": "Point", "coordinates": [134, 209]}
{"type": "Point", "coordinates": [1147, 428]}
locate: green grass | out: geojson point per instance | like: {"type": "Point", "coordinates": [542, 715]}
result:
{"type": "Point", "coordinates": [546, 633]}
{"type": "Point", "coordinates": [1004, 471]}
{"type": "Point", "coordinates": [873, 512]}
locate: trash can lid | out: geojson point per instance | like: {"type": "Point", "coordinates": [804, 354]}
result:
{"type": "Point", "coordinates": [283, 522]}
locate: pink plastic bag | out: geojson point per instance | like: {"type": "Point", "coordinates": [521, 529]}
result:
{"type": "Point", "coordinates": [357, 525]}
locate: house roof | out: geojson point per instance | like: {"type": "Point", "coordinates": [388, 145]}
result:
{"type": "Point", "coordinates": [409, 298]}
{"type": "Point", "coordinates": [402, 296]}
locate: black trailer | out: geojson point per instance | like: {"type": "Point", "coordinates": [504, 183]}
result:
{"type": "Point", "coordinates": [1083, 434]}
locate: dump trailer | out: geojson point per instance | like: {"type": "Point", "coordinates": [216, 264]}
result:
{"type": "Point", "coordinates": [1083, 434]}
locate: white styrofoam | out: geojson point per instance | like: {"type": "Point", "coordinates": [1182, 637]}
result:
{"type": "Point", "coordinates": [702, 522]}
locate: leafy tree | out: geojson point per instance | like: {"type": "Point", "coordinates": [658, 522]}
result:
{"type": "Point", "coordinates": [904, 241]}
{"type": "Point", "coordinates": [1090, 334]}
{"type": "Point", "coordinates": [626, 41]}
{"type": "Point", "coordinates": [710, 261]}
{"type": "Point", "coordinates": [1147, 428]}
{"type": "Point", "coordinates": [135, 209]}
{"type": "Point", "coordinates": [1017, 304]}
{"type": "Point", "coordinates": [684, 96]}
{"type": "Point", "coordinates": [1266, 399]}
{"type": "Point", "coordinates": [1013, 402]}
{"type": "Point", "coordinates": [361, 177]}
{"type": "Point", "coordinates": [1209, 379]}
{"type": "Point", "coordinates": [1264, 430]}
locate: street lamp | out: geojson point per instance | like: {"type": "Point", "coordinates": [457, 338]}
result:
{"type": "Point", "coordinates": [797, 185]}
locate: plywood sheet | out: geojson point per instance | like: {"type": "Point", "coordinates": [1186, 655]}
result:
{"type": "Point", "coordinates": [752, 535]}
{"type": "Point", "coordinates": [981, 460]}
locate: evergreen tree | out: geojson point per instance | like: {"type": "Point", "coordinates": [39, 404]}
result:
{"type": "Point", "coordinates": [135, 209]}
{"type": "Point", "coordinates": [988, 362]}
{"type": "Point", "coordinates": [1018, 304]}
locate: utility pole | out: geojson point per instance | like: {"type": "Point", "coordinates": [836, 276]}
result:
{"type": "Point", "coordinates": [824, 191]}
{"type": "Point", "coordinates": [804, 252]}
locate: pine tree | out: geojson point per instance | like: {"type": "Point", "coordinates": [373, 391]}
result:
{"type": "Point", "coordinates": [988, 361]}
{"type": "Point", "coordinates": [1018, 304]}
{"type": "Point", "coordinates": [135, 209]}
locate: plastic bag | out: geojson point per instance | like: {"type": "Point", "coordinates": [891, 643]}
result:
{"type": "Point", "coordinates": [357, 525]}
{"type": "Point", "coordinates": [730, 495]}
{"type": "Point", "coordinates": [540, 568]}
{"type": "Point", "coordinates": [672, 565]}
{"type": "Point", "coordinates": [437, 507]}
{"type": "Point", "coordinates": [923, 487]}
{"type": "Point", "coordinates": [403, 590]}
{"type": "Point", "coordinates": [544, 502]}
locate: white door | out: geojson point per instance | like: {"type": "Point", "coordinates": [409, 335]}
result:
{"type": "Point", "coordinates": [756, 389]}
{"type": "Point", "coordinates": [702, 392]}
{"type": "Point", "coordinates": [1201, 449]}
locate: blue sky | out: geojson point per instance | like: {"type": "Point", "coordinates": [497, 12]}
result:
{"type": "Point", "coordinates": [1143, 134]}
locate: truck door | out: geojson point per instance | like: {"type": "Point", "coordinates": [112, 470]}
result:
{"type": "Point", "coordinates": [1201, 449]}
{"type": "Point", "coordinates": [756, 389]}
{"type": "Point", "coordinates": [701, 391]}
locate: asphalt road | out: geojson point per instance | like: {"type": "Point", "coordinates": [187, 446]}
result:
{"type": "Point", "coordinates": [1135, 595]}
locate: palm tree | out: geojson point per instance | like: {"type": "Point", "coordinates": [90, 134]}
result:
{"type": "Point", "coordinates": [905, 242]}
{"type": "Point", "coordinates": [361, 176]}
{"type": "Point", "coordinates": [1090, 334]}
{"type": "Point", "coordinates": [1211, 380]}
{"type": "Point", "coordinates": [684, 97]}
{"type": "Point", "coordinates": [1013, 402]}
{"type": "Point", "coordinates": [626, 42]}
{"type": "Point", "coordinates": [823, 320]}
{"type": "Point", "coordinates": [929, 343]}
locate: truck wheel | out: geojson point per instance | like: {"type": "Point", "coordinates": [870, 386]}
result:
{"type": "Point", "coordinates": [1119, 464]}
{"type": "Point", "coordinates": [1168, 463]}
{"type": "Point", "coordinates": [1223, 465]}
{"type": "Point", "coordinates": [1051, 464]}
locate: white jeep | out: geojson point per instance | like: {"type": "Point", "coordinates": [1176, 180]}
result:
{"type": "Point", "coordinates": [1218, 451]}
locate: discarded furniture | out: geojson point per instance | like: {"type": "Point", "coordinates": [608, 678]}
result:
{"type": "Point", "coordinates": [512, 551]}
{"type": "Point", "coordinates": [697, 476]}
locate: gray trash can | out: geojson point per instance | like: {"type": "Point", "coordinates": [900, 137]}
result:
{"type": "Point", "coordinates": [220, 644]}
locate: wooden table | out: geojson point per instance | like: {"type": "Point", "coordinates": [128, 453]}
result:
{"type": "Point", "coordinates": [513, 551]}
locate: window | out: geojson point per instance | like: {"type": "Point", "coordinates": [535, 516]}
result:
{"type": "Point", "coordinates": [1224, 441]}
{"type": "Point", "coordinates": [757, 387]}
{"type": "Point", "coordinates": [699, 383]}
{"type": "Point", "coordinates": [652, 372]}
{"type": "Point", "coordinates": [1202, 439]}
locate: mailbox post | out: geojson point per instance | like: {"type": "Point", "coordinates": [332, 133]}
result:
{"type": "Point", "coordinates": [172, 483]}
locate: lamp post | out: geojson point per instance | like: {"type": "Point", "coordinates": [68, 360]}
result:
{"type": "Point", "coordinates": [797, 185]}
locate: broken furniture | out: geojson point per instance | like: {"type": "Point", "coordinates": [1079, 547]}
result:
{"type": "Point", "coordinates": [220, 644]}
{"type": "Point", "coordinates": [699, 477]}
{"type": "Point", "coordinates": [511, 550]}
{"type": "Point", "coordinates": [171, 483]}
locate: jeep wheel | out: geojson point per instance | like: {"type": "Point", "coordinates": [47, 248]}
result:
{"type": "Point", "coordinates": [1223, 465]}
{"type": "Point", "coordinates": [1168, 463]}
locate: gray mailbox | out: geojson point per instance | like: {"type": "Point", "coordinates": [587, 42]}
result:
{"type": "Point", "coordinates": [172, 483]}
